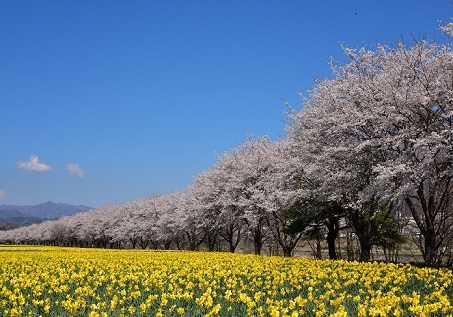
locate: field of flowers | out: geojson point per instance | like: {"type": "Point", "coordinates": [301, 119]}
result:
{"type": "Point", "coordinates": [91, 282]}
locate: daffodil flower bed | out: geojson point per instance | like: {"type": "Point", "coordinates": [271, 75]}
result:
{"type": "Point", "coordinates": [43, 281]}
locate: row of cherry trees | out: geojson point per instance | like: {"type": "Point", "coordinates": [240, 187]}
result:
{"type": "Point", "coordinates": [371, 151]}
{"type": "Point", "coordinates": [240, 196]}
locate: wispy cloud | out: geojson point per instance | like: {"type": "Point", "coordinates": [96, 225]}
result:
{"type": "Point", "coordinates": [2, 193]}
{"type": "Point", "coordinates": [33, 165]}
{"type": "Point", "coordinates": [75, 170]}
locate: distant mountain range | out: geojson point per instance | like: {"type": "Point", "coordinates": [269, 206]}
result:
{"type": "Point", "coordinates": [22, 215]}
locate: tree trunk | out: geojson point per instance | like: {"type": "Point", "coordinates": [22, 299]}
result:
{"type": "Point", "coordinates": [333, 229]}
{"type": "Point", "coordinates": [365, 251]}
{"type": "Point", "coordinates": [287, 251]}
{"type": "Point", "coordinates": [318, 249]}
{"type": "Point", "coordinates": [361, 221]}
{"type": "Point", "coordinates": [256, 229]}
{"type": "Point", "coordinates": [143, 243]}
{"type": "Point", "coordinates": [194, 239]}
{"type": "Point", "coordinates": [432, 212]}
{"type": "Point", "coordinates": [331, 246]}
{"type": "Point", "coordinates": [178, 243]}
{"type": "Point", "coordinates": [365, 237]}
{"type": "Point", "coordinates": [257, 241]}
{"type": "Point", "coordinates": [211, 240]}
{"type": "Point", "coordinates": [167, 244]}
{"type": "Point", "coordinates": [155, 244]}
{"type": "Point", "coordinates": [429, 249]}
{"type": "Point", "coordinates": [288, 242]}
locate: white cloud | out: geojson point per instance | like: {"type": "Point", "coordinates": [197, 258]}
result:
{"type": "Point", "coordinates": [75, 170]}
{"type": "Point", "coordinates": [33, 165]}
{"type": "Point", "coordinates": [2, 193]}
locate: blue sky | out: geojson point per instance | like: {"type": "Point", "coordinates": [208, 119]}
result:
{"type": "Point", "coordinates": [109, 101]}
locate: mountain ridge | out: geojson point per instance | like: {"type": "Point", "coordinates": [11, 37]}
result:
{"type": "Point", "coordinates": [25, 214]}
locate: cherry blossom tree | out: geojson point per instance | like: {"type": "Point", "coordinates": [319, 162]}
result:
{"type": "Point", "coordinates": [190, 220]}
{"type": "Point", "coordinates": [253, 184]}
{"type": "Point", "coordinates": [227, 196]}
{"type": "Point", "coordinates": [247, 164]}
{"type": "Point", "coordinates": [380, 132]}
{"type": "Point", "coordinates": [171, 219]}
{"type": "Point", "coordinates": [215, 195]}
{"type": "Point", "coordinates": [59, 232]}
{"type": "Point", "coordinates": [279, 190]}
